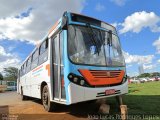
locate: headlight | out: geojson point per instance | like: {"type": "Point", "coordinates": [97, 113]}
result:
{"type": "Point", "coordinates": [82, 82]}
{"type": "Point", "coordinates": [79, 80]}
{"type": "Point", "coordinates": [70, 76]}
{"type": "Point", "coordinates": [75, 79]}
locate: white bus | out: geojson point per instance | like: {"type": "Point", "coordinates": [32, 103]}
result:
{"type": "Point", "coordinates": [80, 59]}
{"type": "Point", "coordinates": [11, 85]}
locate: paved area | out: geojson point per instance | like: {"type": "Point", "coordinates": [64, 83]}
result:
{"type": "Point", "coordinates": [10, 103]}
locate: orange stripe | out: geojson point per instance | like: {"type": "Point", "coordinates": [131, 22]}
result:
{"type": "Point", "coordinates": [62, 82]}
{"type": "Point", "coordinates": [37, 68]}
{"type": "Point", "coordinates": [48, 68]}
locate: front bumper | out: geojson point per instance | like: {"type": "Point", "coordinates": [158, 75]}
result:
{"type": "Point", "coordinates": [79, 93]}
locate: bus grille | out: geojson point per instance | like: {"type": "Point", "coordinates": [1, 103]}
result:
{"type": "Point", "coordinates": [105, 74]}
{"type": "Point", "coordinates": [102, 77]}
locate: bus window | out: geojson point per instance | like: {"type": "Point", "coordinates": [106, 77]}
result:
{"type": "Point", "coordinates": [25, 65]}
{"type": "Point", "coordinates": [23, 71]}
{"type": "Point", "coordinates": [43, 52]}
{"type": "Point", "coordinates": [20, 72]}
{"type": "Point", "coordinates": [28, 65]}
{"type": "Point", "coordinates": [63, 95]}
{"type": "Point", "coordinates": [34, 59]}
{"type": "Point", "coordinates": [55, 60]}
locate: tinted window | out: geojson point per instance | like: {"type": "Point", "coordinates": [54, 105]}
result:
{"type": "Point", "coordinates": [28, 65]}
{"type": "Point", "coordinates": [34, 59]}
{"type": "Point", "coordinates": [35, 55]}
{"type": "Point", "coordinates": [43, 52]}
{"type": "Point", "coordinates": [43, 46]}
{"type": "Point", "coordinates": [23, 70]}
{"type": "Point", "coordinates": [63, 94]}
{"type": "Point", "coordinates": [61, 47]}
{"type": "Point", "coordinates": [25, 65]}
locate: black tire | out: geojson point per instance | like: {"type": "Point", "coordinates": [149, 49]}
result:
{"type": "Point", "coordinates": [47, 104]}
{"type": "Point", "coordinates": [23, 97]}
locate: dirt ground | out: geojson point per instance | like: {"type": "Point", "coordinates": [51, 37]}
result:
{"type": "Point", "coordinates": [11, 105]}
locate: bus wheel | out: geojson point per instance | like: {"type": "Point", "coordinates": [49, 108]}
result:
{"type": "Point", "coordinates": [47, 104]}
{"type": "Point", "coordinates": [23, 97]}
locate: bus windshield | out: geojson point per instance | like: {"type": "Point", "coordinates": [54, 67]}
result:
{"type": "Point", "coordinates": [90, 46]}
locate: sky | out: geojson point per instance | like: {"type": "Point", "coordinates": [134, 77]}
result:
{"type": "Point", "coordinates": [23, 23]}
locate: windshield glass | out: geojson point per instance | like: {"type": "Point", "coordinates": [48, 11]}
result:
{"type": "Point", "coordinates": [90, 46]}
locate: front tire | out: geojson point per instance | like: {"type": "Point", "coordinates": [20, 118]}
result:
{"type": "Point", "coordinates": [47, 104]}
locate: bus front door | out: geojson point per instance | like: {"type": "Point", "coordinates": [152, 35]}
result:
{"type": "Point", "coordinates": [58, 73]}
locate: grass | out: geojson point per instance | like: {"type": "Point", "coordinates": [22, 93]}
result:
{"type": "Point", "coordinates": [149, 88]}
{"type": "Point", "coordinates": [143, 98]}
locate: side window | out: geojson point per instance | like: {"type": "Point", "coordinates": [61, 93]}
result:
{"type": "Point", "coordinates": [34, 59]}
{"type": "Point", "coordinates": [43, 52]}
{"type": "Point", "coordinates": [21, 71]}
{"type": "Point", "coordinates": [61, 46]}
{"type": "Point", "coordinates": [25, 68]}
{"type": "Point", "coordinates": [63, 94]}
{"type": "Point", "coordinates": [28, 65]}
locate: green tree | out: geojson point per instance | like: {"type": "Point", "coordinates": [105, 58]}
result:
{"type": "Point", "coordinates": [10, 73]}
{"type": "Point", "coordinates": [144, 75]}
{"type": "Point", "coordinates": [155, 74]}
{"type": "Point", "coordinates": [1, 76]}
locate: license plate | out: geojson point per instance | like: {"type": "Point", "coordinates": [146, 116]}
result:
{"type": "Point", "coordinates": [110, 92]}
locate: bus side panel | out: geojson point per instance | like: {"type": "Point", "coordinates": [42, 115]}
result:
{"type": "Point", "coordinates": [38, 75]}
{"type": "Point", "coordinates": [25, 84]}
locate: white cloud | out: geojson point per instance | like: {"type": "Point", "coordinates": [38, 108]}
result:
{"type": "Point", "coordinates": [8, 59]}
{"type": "Point", "coordinates": [13, 7]}
{"type": "Point", "coordinates": [139, 20]}
{"type": "Point", "coordinates": [149, 67]}
{"type": "Point", "coordinates": [129, 59]}
{"type": "Point", "coordinates": [15, 28]}
{"type": "Point", "coordinates": [100, 7]}
{"type": "Point", "coordinates": [156, 43]}
{"type": "Point", "coordinates": [119, 2]}
{"type": "Point", "coordinates": [115, 24]}
{"type": "Point", "coordinates": [32, 28]}
{"type": "Point", "coordinates": [158, 61]}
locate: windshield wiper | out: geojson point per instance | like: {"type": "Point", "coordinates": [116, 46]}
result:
{"type": "Point", "coordinates": [93, 37]}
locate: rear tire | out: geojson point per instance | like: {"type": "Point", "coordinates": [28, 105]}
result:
{"type": "Point", "coordinates": [47, 104]}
